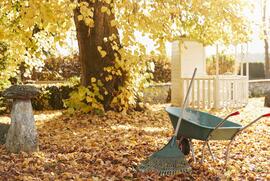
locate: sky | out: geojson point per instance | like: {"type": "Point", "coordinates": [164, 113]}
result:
{"type": "Point", "coordinates": [256, 45]}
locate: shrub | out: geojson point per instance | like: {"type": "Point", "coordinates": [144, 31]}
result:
{"type": "Point", "coordinates": [162, 68]}
{"type": "Point", "coordinates": [2, 105]}
{"type": "Point", "coordinates": [226, 64]}
{"type": "Point", "coordinates": [60, 68]}
{"type": "Point", "coordinates": [52, 96]}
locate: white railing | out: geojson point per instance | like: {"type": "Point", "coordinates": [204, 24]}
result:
{"type": "Point", "coordinates": [217, 91]}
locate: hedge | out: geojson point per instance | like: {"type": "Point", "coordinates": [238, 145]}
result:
{"type": "Point", "coordinates": [51, 98]}
{"type": "Point", "coordinates": [162, 71]}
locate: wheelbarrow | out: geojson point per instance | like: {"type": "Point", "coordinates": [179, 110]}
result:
{"type": "Point", "coordinates": [203, 126]}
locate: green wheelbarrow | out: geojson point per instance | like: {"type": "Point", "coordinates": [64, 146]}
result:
{"type": "Point", "coordinates": [203, 126]}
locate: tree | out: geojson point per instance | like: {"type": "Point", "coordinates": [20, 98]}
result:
{"type": "Point", "coordinates": [112, 59]}
{"type": "Point", "coordinates": [266, 38]}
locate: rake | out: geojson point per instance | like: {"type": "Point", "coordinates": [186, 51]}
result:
{"type": "Point", "coordinates": [169, 160]}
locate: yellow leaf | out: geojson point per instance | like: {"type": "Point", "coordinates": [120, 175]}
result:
{"type": "Point", "coordinates": [104, 9]}
{"type": "Point", "coordinates": [99, 48]}
{"type": "Point", "coordinates": [89, 99]}
{"type": "Point", "coordinates": [89, 22]}
{"type": "Point", "coordinates": [113, 23]}
{"type": "Point", "coordinates": [108, 12]}
{"type": "Point", "coordinates": [93, 79]}
{"type": "Point", "coordinates": [80, 17]}
{"type": "Point", "coordinates": [103, 53]}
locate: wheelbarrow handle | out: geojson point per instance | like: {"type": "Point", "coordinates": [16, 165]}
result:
{"type": "Point", "coordinates": [241, 130]}
{"type": "Point", "coordinates": [225, 119]}
{"type": "Point", "coordinates": [266, 115]}
{"type": "Point", "coordinates": [262, 116]}
{"type": "Point", "coordinates": [221, 123]}
{"type": "Point", "coordinates": [233, 114]}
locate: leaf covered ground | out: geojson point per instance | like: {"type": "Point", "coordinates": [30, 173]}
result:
{"type": "Point", "coordinates": [109, 147]}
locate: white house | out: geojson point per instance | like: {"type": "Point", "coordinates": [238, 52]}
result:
{"type": "Point", "coordinates": [208, 91]}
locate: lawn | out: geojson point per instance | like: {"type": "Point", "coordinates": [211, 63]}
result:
{"type": "Point", "coordinates": [109, 147]}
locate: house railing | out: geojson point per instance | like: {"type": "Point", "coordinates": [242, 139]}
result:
{"type": "Point", "coordinates": [217, 91]}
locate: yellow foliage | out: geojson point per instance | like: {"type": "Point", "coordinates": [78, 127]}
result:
{"type": "Point", "coordinates": [103, 53]}
{"type": "Point", "coordinates": [93, 79]}
{"type": "Point", "coordinates": [118, 142]}
{"type": "Point", "coordinates": [113, 23]}
{"type": "Point", "coordinates": [34, 27]}
{"type": "Point", "coordinates": [103, 9]}
{"type": "Point", "coordinates": [80, 17]}
{"type": "Point", "coordinates": [89, 22]}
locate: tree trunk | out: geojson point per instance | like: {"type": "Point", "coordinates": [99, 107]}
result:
{"type": "Point", "coordinates": [22, 134]}
{"type": "Point", "coordinates": [92, 64]}
{"type": "Point", "coordinates": [266, 43]}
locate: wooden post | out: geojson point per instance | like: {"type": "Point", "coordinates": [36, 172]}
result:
{"type": "Point", "coordinates": [216, 83]}
{"type": "Point", "coordinates": [241, 65]}
{"type": "Point", "coordinates": [217, 65]}
{"type": "Point", "coordinates": [236, 60]}
{"type": "Point", "coordinates": [177, 94]}
{"type": "Point", "coordinates": [186, 88]}
{"type": "Point", "coordinates": [247, 64]}
{"type": "Point", "coordinates": [209, 92]}
{"type": "Point", "coordinates": [203, 93]}
{"type": "Point", "coordinates": [246, 87]}
{"type": "Point", "coordinates": [198, 93]}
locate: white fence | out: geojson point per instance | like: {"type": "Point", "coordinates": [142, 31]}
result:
{"type": "Point", "coordinates": [217, 92]}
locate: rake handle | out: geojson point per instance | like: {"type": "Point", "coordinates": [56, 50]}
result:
{"type": "Point", "coordinates": [184, 104]}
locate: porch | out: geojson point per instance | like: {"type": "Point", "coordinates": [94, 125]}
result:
{"type": "Point", "coordinates": [208, 91]}
{"type": "Point", "coordinates": [223, 91]}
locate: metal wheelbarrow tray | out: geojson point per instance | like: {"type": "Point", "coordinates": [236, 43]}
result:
{"type": "Point", "coordinates": [203, 126]}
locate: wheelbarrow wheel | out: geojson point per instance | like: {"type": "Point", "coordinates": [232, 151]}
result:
{"type": "Point", "coordinates": [184, 146]}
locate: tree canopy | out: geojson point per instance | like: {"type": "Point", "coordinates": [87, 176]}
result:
{"type": "Point", "coordinates": [33, 28]}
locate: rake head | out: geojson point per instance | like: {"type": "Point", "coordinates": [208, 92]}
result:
{"type": "Point", "coordinates": [167, 161]}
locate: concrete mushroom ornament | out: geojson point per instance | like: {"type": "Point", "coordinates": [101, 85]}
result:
{"type": "Point", "coordinates": [22, 134]}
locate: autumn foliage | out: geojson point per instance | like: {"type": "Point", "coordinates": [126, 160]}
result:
{"type": "Point", "coordinates": [109, 50]}
{"type": "Point", "coordinates": [110, 147]}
